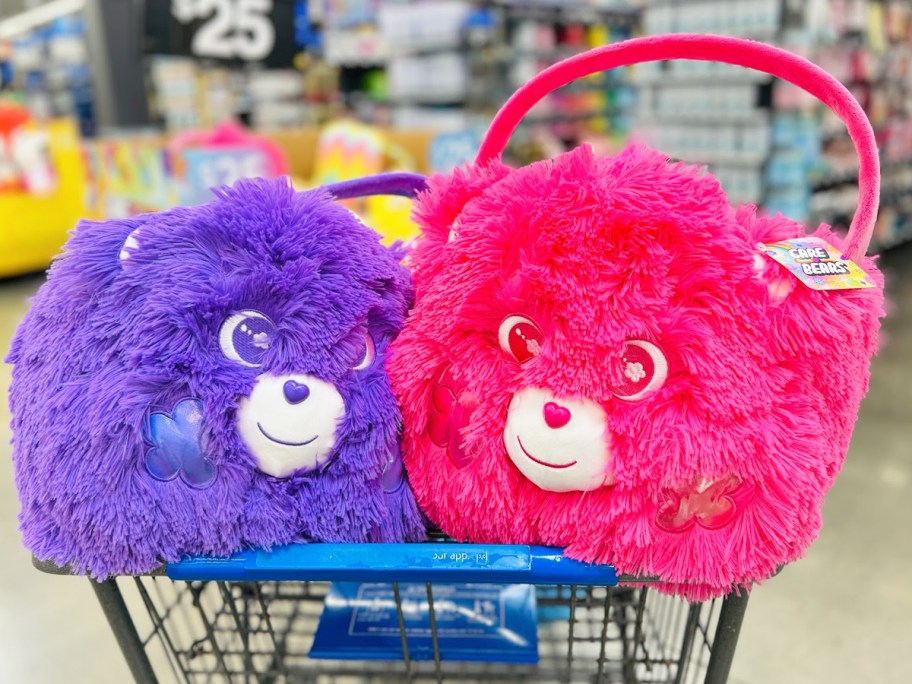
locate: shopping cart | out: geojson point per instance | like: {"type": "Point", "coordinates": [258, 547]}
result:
{"type": "Point", "coordinates": [253, 618]}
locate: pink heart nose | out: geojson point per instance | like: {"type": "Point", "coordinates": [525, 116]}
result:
{"type": "Point", "coordinates": [556, 416]}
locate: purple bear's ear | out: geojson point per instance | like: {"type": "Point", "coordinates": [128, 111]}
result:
{"type": "Point", "coordinates": [130, 246]}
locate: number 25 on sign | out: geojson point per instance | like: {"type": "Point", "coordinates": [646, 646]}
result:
{"type": "Point", "coordinates": [231, 29]}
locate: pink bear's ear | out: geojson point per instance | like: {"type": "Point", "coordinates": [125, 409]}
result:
{"type": "Point", "coordinates": [779, 282]}
{"type": "Point", "coordinates": [437, 209]}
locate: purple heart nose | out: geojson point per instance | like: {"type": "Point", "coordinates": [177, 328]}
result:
{"type": "Point", "coordinates": [295, 392]}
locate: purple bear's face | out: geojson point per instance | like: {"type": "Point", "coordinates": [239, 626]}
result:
{"type": "Point", "coordinates": [289, 421]}
{"type": "Point", "coordinates": [216, 378]}
{"type": "Point", "coordinates": [291, 330]}
{"type": "Point", "coordinates": [288, 329]}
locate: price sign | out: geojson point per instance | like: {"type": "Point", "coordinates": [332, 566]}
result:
{"type": "Point", "coordinates": [208, 168]}
{"type": "Point", "coordinates": [449, 150]}
{"type": "Point", "coordinates": [228, 30]}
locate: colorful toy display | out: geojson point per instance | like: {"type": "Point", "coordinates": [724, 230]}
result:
{"type": "Point", "coordinates": [348, 149]}
{"type": "Point", "coordinates": [149, 173]}
{"type": "Point", "coordinates": [24, 162]}
{"type": "Point", "coordinates": [42, 189]}
{"type": "Point", "coordinates": [206, 378]}
{"type": "Point", "coordinates": [604, 357]}
{"type": "Point", "coordinates": [49, 178]}
{"type": "Point", "coordinates": [129, 176]}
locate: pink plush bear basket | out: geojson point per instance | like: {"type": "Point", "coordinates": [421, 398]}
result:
{"type": "Point", "coordinates": [604, 356]}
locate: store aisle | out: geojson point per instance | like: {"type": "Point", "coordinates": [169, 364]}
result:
{"type": "Point", "coordinates": [51, 629]}
{"type": "Point", "coordinates": [844, 614]}
{"type": "Point", "coordinates": [841, 616]}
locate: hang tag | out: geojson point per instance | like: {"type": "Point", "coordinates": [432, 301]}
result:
{"type": "Point", "coordinates": [817, 264]}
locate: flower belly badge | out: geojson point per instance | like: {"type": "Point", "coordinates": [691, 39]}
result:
{"type": "Point", "coordinates": [709, 504]}
{"type": "Point", "coordinates": [450, 411]}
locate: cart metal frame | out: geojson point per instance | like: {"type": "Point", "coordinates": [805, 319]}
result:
{"type": "Point", "coordinates": [251, 618]}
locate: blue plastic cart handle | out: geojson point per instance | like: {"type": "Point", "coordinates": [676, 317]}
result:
{"type": "Point", "coordinates": [429, 562]}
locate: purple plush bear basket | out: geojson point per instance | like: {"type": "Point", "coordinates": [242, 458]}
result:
{"type": "Point", "coordinates": [205, 379]}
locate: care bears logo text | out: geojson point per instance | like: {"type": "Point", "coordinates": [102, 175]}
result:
{"type": "Point", "coordinates": [817, 261]}
{"type": "Point", "coordinates": [817, 264]}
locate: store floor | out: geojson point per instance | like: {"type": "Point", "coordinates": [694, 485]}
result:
{"type": "Point", "coordinates": [841, 616]}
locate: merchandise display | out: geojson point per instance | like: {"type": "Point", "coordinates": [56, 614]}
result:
{"type": "Point", "coordinates": [447, 65]}
{"type": "Point", "coordinates": [603, 357]}
{"type": "Point", "coordinates": [711, 113]}
{"type": "Point", "coordinates": [128, 175]}
{"type": "Point", "coordinates": [228, 388]}
{"type": "Point", "coordinates": [43, 189]}
{"type": "Point", "coordinates": [189, 95]}
{"type": "Point", "coordinates": [768, 142]}
{"type": "Point", "coordinates": [869, 47]}
{"type": "Point", "coordinates": [438, 340]}
{"type": "Point", "coordinates": [134, 174]}
{"type": "Point", "coordinates": [348, 148]}
{"type": "Point", "coordinates": [49, 66]}
{"type": "Point", "coordinates": [212, 159]}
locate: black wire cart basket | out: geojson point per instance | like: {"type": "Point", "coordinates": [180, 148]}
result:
{"type": "Point", "coordinates": [432, 612]}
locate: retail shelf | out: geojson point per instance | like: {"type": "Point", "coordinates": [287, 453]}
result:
{"type": "Point", "coordinates": [564, 117]}
{"type": "Point", "coordinates": [717, 159]}
{"type": "Point", "coordinates": [592, 12]}
{"type": "Point", "coordinates": [834, 179]}
{"type": "Point", "coordinates": [671, 79]}
{"type": "Point", "coordinates": [753, 116]}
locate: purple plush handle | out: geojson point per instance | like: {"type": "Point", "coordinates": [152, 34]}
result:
{"type": "Point", "coordinates": [746, 53]}
{"type": "Point", "coordinates": [402, 184]}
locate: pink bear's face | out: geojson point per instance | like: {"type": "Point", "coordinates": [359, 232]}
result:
{"type": "Point", "coordinates": [560, 442]}
{"type": "Point", "coordinates": [580, 336]}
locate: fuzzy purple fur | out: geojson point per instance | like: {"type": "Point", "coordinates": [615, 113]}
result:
{"type": "Point", "coordinates": [109, 341]}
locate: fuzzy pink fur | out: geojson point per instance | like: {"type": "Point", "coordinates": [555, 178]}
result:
{"type": "Point", "coordinates": [598, 251]}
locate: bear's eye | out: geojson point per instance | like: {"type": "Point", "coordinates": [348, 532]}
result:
{"type": "Point", "coordinates": [645, 369]}
{"type": "Point", "coordinates": [368, 355]}
{"type": "Point", "coordinates": [245, 337]}
{"type": "Point", "coordinates": [520, 337]}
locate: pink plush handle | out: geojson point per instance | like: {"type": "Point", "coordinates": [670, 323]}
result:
{"type": "Point", "coordinates": [746, 53]}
